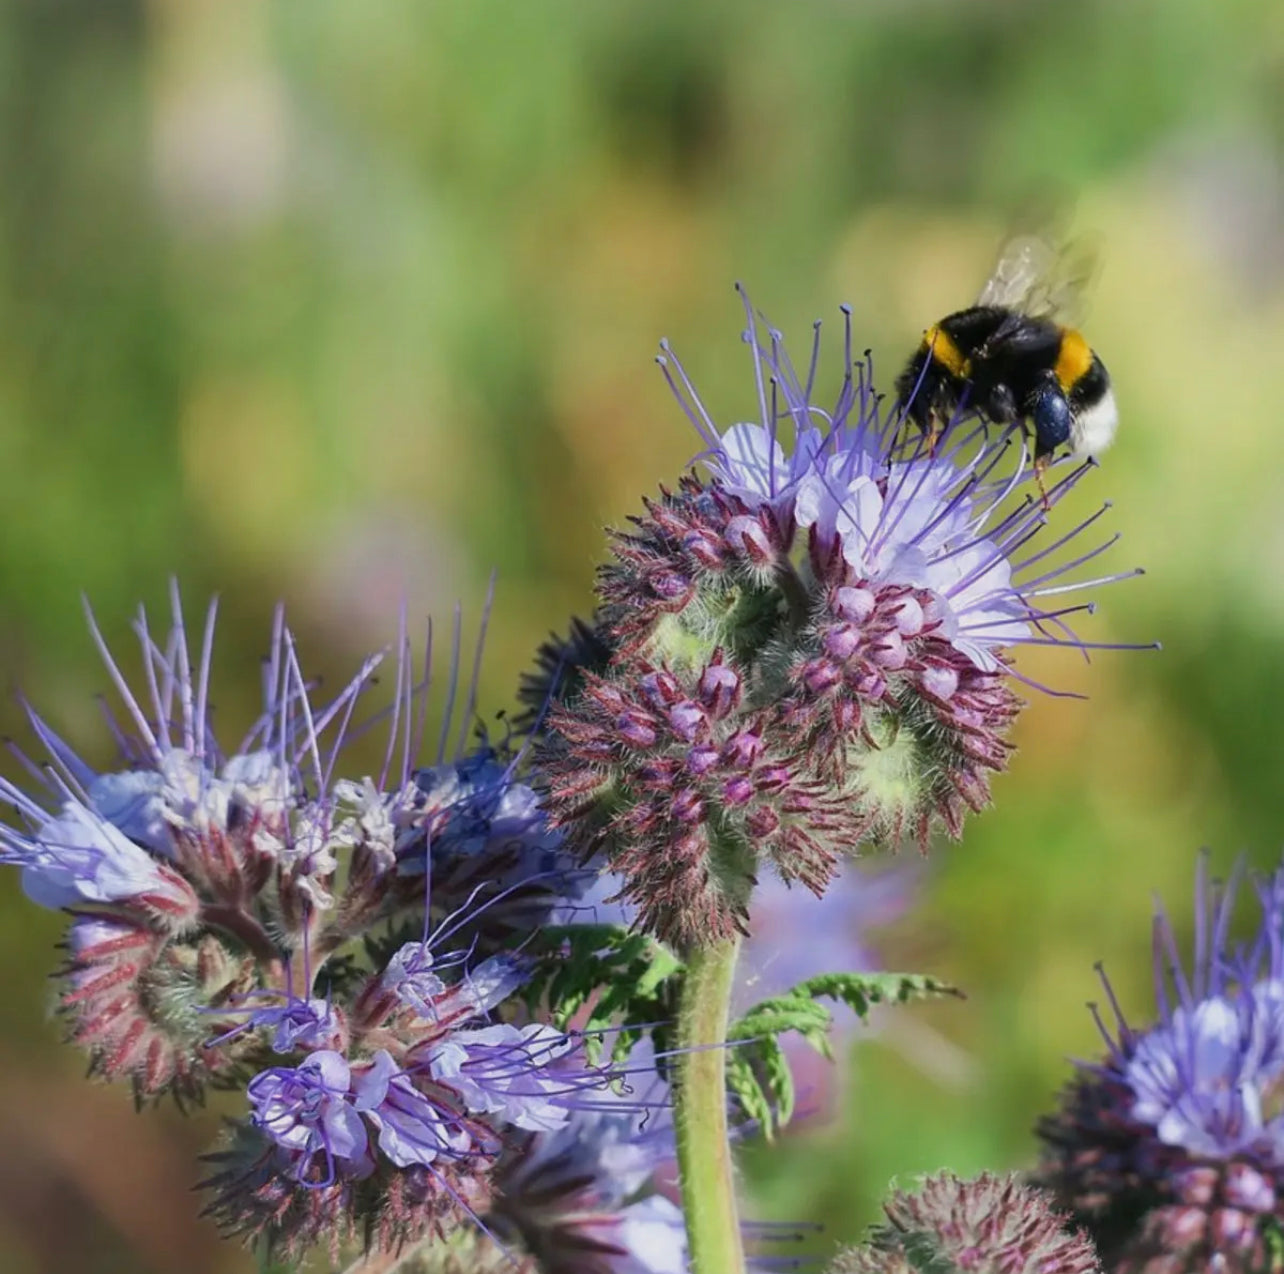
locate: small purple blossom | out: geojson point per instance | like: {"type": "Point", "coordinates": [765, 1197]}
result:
{"type": "Point", "coordinates": [309, 1111]}
{"type": "Point", "coordinates": [493, 851]}
{"type": "Point", "coordinates": [412, 1129]}
{"type": "Point", "coordinates": [182, 819]}
{"type": "Point", "coordinates": [851, 608]}
{"type": "Point", "coordinates": [410, 976]}
{"type": "Point", "coordinates": [583, 1198]}
{"type": "Point", "coordinates": [520, 1075]}
{"type": "Point", "coordinates": [1179, 1127]}
{"type": "Point", "coordinates": [297, 1024]}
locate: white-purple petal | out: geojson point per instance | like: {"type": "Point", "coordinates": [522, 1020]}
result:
{"type": "Point", "coordinates": [79, 856]}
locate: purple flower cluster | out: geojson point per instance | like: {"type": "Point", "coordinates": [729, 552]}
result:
{"type": "Point", "coordinates": [808, 653]}
{"type": "Point", "coordinates": [489, 838]}
{"type": "Point", "coordinates": [408, 1118]}
{"type": "Point", "coordinates": [1171, 1149]}
{"type": "Point", "coordinates": [210, 879]}
{"type": "Point", "coordinates": [939, 528]}
{"type": "Point", "coordinates": [218, 899]}
{"type": "Point", "coordinates": [691, 753]}
{"type": "Point", "coordinates": [801, 654]}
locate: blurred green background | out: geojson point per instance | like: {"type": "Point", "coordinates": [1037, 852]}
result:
{"type": "Point", "coordinates": [343, 303]}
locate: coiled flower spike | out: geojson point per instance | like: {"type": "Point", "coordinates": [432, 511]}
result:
{"type": "Point", "coordinates": [808, 652]}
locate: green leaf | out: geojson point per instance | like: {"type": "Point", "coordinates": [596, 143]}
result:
{"type": "Point", "coordinates": [757, 1071]}
{"type": "Point", "coordinates": [606, 978]}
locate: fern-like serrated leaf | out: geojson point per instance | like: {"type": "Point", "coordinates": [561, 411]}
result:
{"type": "Point", "coordinates": [862, 991]}
{"type": "Point", "coordinates": [757, 1070]}
{"type": "Point", "coordinates": [608, 979]}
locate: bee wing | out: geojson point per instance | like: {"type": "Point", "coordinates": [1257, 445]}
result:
{"type": "Point", "coordinates": [1024, 262]}
{"type": "Point", "coordinates": [1036, 278]}
{"type": "Point", "coordinates": [1069, 285]}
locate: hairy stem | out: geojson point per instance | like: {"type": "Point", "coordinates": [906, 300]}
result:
{"type": "Point", "coordinates": [700, 1112]}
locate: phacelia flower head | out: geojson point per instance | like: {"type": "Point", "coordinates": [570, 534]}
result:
{"type": "Point", "coordinates": [990, 1225]}
{"type": "Point", "coordinates": [806, 651]}
{"type": "Point", "coordinates": [212, 882]}
{"type": "Point", "coordinates": [1171, 1150]}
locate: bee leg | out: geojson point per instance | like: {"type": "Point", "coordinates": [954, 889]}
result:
{"type": "Point", "coordinates": [1041, 463]}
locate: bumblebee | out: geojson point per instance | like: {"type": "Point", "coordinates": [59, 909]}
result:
{"type": "Point", "coordinates": [1017, 355]}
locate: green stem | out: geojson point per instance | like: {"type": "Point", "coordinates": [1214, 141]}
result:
{"type": "Point", "coordinates": [700, 1112]}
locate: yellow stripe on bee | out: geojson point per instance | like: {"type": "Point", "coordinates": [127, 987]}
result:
{"type": "Point", "coordinates": [946, 352]}
{"type": "Point", "coordinates": [1073, 359]}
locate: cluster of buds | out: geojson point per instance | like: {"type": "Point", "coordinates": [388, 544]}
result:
{"type": "Point", "coordinates": [222, 909]}
{"type": "Point", "coordinates": [806, 653]}
{"type": "Point", "coordinates": [705, 782]}
{"type": "Point", "coordinates": [990, 1225]}
{"type": "Point", "coordinates": [1171, 1150]}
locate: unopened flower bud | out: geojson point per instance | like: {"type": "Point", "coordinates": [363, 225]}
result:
{"type": "Point", "coordinates": [687, 719]}
{"type": "Point", "coordinates": [774, 778]}
{"type": "Point", "coordinates": [990, 1225]}
{"type": "Point", "coordinates": [719, 689]}
{"type": "Point", "coordinates": [909, 617]}
{"type": "Point", "coordinates": [1229, 1228]}
{"type": "Point", "coordinates": [660, 771]}
{"type": "Point", "coordinates": [702, 758]}
{"type": "Point", "coordinates": [871, 685]}
{"type": "Point", "coordinates": [660, 688]}
{"type": "Point", "coordinates": [821, 675]}
{"type": "Point", "coordinates": [704, 547]}
{"type": "Point", "coordinates": [1245, 1187]}
{"type": "Point", "coordinates": [855, 605]}
{"type": "Point", "coordinates": [669, 586]}
{"type": "Point", "coordinates": [743, 748]}
{"type": "Point", "coordinates": [939, 681]}
{"type": "Point", "coordinates": [889, 652]}
{"type": "Point", "coordinates": [1198, 1184]}
{"type": "Point", "coordinates": [635, 729]}
{"type": "Point", "coordinates": [843, 642]}
{"type": "Point", "coordinates": [747, 537]}
{"type": "Point", "coordinates": [687, 806]}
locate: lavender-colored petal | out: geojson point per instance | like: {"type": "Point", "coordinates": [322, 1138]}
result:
{"type": "Point", "coordinates": [510, 1073]}
{"type": "Point", "coordinates": [653, 1237]}
{"type": "Point", "coordinates": [80, 857]}
{"type": "Point", "coordinates": [411, 1129]}
{"type": "Point", "coordinates": [132, 802]}
{"type": "Point", "coordinates": [490, 983]}
{"type": "Point", "coordinates": [409, 976]}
